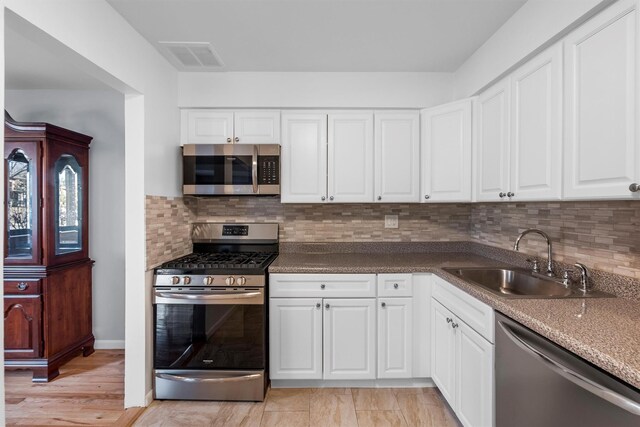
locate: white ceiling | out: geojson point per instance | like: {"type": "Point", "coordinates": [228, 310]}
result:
{"type": "Point", "coordinates": [29, 66]}
{"type": "Point", "coordinates": [324, 35]}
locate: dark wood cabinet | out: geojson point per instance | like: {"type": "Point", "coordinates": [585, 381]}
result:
{"type": "Point", "coordinates": [47, 269]}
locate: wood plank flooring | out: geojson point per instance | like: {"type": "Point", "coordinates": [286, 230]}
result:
{"type": "Point", "coordinates": [311, 407]}
{"type": "Point", "coordinates": [89, 391]}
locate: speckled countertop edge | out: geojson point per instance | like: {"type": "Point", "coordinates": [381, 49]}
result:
{"type": "Point", "coordinates": [624, 365]}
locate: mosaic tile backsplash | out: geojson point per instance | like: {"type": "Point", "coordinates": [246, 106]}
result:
{"type": "Point", "coordinates": [601, 235]}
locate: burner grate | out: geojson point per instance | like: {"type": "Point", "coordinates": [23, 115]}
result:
{"type": "Point", "coordinates": [221, 260]}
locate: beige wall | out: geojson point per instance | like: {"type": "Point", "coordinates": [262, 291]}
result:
{"type": "Point", "coordinates": [598, 234]}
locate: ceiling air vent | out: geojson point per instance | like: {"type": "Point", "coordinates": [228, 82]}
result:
{"type": "Point", "coordinates": [192, 55]}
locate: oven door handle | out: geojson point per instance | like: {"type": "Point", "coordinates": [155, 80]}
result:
{"type": "Point", "coordinates": [254, 169]}
{"type": "Point", "coordinates": [181, 378]}
{"type": "Point", "coordinates": [220, 298]}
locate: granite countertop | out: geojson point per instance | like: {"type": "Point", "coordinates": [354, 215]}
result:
{"type": "Point", "coordinates": [603, 331]}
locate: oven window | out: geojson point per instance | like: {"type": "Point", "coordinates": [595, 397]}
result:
{"type": "Point", "coordinates": [217, 170]}
{"type": "Point", "coordinates": [209, 336]}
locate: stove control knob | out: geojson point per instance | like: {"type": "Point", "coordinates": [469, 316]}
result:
{"type": "Point", "coordinates": [242, 281]}
{"type": "Point", "coordinates": [175, 280]}
{"type": "Point", "coordinates": [207, 280]}
{"type": "Point", "coordinates": [229, 281]}
{"type": "Point", "coordinates": [187, 280]}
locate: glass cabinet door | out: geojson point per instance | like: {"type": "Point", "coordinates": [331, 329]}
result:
{"type": "Point", "coordinates": [21, 217]}
{"type": "Point", "coordinates": [68, 205]}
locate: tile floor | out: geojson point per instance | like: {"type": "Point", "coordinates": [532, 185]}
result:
{"type": "Point", "coordinates": [311, 407]}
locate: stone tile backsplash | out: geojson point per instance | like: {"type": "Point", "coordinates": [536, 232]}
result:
{"type": "Point", "coordinates": [602, 235]}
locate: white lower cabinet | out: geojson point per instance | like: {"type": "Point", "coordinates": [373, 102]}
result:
{"type": "Point", "coordinates": [395, 337]}
{"type": "Point", "coordinates": [462, 361]}
{"type": "Point", "coordinates": [349, 339]}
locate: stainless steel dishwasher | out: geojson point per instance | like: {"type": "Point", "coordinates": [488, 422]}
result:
{"type": "Point", "coordinates": [538, 383]}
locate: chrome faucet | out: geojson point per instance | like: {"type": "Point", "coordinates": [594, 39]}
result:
{"type": "Point", "coordinates": [549, 271]}
{"type": "Point", "coordinates": [585, 285]}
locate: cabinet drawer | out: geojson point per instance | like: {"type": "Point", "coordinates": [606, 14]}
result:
{"type": "Point", "coordinates": [395, 285]}
{"type": "Point", "coordinates": [22, 287]}
{"type": "Point", "coordinates": [476, 314]}
{"type": "Point", "coordinates": [322, 285]}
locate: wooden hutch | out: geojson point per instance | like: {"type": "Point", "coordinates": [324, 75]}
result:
{"type": "Point", "coordinates": [47, 269]}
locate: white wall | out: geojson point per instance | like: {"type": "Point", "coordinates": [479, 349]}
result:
{"type": "Point", "coordinates": [93, 37]}
{"type": "Point", "coordinates": [309, 90]}
{"type": "Point", "coordinates": [2, 215]}
{"type": "Point", "coordinates": [530, 28]}
{"type": "Point", "coordinates": [99, 114]}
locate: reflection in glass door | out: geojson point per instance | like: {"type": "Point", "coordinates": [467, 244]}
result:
{"type": "Point", "coordinates": [19, 205]}
{"type": "Point", "coordinates": [68, 206]}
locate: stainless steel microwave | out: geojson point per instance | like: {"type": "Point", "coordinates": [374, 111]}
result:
{"type": "Point", "coordinates": [219, 169]}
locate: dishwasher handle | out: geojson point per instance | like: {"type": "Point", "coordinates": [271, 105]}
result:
{"type": "Point", "coordinates": [576, 378]}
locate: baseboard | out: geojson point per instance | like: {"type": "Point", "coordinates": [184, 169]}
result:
{"type": "Point", "coordinates": [148, 398]}
{"type": "Point", "coordinates": [109, 345]}
{"type": "Point", "coordinates": [379, 383]}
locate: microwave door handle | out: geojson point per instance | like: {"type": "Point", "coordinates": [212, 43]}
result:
{"type": "Point", "coordinates": [254, 169]}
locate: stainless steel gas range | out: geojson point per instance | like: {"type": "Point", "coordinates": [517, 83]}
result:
{"type": "Point", "coordinates": [210, 315]}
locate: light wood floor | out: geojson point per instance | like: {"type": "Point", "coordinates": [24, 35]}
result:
{"type": "Point", "coordinates": [310, 407]}
{"type": "Point", "coordinates": [89, 391]}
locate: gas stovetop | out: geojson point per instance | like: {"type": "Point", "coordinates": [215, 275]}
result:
{"type": "Point", "coordinates": [199, 263]}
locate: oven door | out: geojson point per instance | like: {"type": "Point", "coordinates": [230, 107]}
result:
{"type": "Point", "coordinates": [220, 169]}
{"type": "Point", "coordinates": [222, 329]}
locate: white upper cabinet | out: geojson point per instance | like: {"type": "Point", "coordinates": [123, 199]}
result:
{"type": "Point", "coordinates": [201, 126]}
{"type": "Point", "coordinates": [397, 156]}
{"type": "Point", "coordinates": [602, 150]}
{"type": "Point", "coordinates": [350, 155]}
{"type": "Point", "coordinates": [446, 153]}
{"type": "Point", "coordinates": [519, 133]}
{"type": "Point", "coordinates": [492, 147]}
{"type": "Point", "coordinates": [536, 128]}
{"type": "Point", "coordinates": [304, 157]}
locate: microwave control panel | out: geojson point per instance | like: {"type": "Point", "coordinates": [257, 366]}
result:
{"type": "Point", "coordinates": [269, 170]}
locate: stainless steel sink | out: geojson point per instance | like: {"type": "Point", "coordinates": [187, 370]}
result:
{"type": "Point", "coordinates": [520, 283]}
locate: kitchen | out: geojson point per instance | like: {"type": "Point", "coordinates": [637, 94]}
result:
{"type": "Point", "coordinates": [582, 231]}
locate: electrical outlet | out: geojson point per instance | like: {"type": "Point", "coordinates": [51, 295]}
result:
{"type": "Point", "coordinates": [391, 221]}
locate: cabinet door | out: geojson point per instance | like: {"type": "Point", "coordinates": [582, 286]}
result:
{"type": "Point", "coordinates": [492, 148]}
{"type": "Point", "coordinates": [536, 128]}
{"type": "Point", "coordinates": [443, 349]}
{"type": "Point", "coordinates": [295, 338]}
{"type": "Point", "coordinates": [395, 337]}
{"type": "Point", "coordinates": [206, 127]}
{"type": "Point", "coordinates": [397, 156]}
{"type": "Point", "coordinates": [304, 158]}
{"type": "Point", "coordinates": [350, 174]}
{"type": "Point", "coordinates": [256, 127]}
{"type": "Point", "coordinates": [446, 153]}
{"type": "Point", "coordinates": [22, 327]}
{"type": "Point", "coordinates": [349, 339]}
{"type": "Point", "coordinates": [474, 377]}
{"type": "Point", "coordinates": [602, 150]}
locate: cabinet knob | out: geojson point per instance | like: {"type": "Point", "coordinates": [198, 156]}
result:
{"type": "Point", "coordinates": [323, 198]}
{"type": "Point", "coordinates": [379, 197]}
{"type": "Point", "coordinates": [384, 304]}
{"type": "Point", "coordinates": [634, 188]}
{"type": "Point", "coordinates": [22, 286]}
{"type": "Point", "coordinates": [395, 286]}
{"type": "Point", "coordinates": [454, 325]}
{"type": "Point", "coordinates": [449, 320]}
{"type": "Point", "coordinates": [327, 306]}
{"type": "Point", "coordinates": [323, 286]}
{"type": "Point", "coordinates": [427, 197]}
{"type": "Point", "coordinates": [501, 195]}
{"type": "Point", "coordinates": [510, 194]}
{"type": "Point", "coordinates": [318, 305]}
{"type": "Point", "coordinates": [228, 140]}
{"type": "Point", "coordinates": [236, 139]}
{"type": "Point", "coordinates": [330, 197]}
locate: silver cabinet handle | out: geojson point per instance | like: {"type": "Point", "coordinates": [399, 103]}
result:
{"type": "Point", "coordinates": [22, 286]}
{"type": "Point", "coordinates": [181, 378]}
{"type": "Point", "coordinates": [327, 306]}
{"type": "Point", "coordinates": [228, 140]}
{"type": "Point", "coordinates": [236, 139]}
{"type": "Point", "coordinates": [501, 195]}
{"type": "Point", "coordinates": [318, 305]}
{"type": "Point", "coordinates": [384, 304]}
{"type": "Point", "coordinates": [254, 168]}
{"type": "Point", "coordinates": [379, 197]}
{"type": "Point", "coordinates": [331, 198]}
{"type": "Point", "coordinates": [510, 194]}
{"type": "Point", "coordinates": [576, 378]}
{"type": "Point", "coordinates": [634, 188]}
{"type": "Point", "coordinates": [323, 198]}
{"type": "Point", "coordinates": [395, 286]}
{"type": "Point", "coordinates": [427, 197]}
{"type": "Point", "coordinates": [323, 286]}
